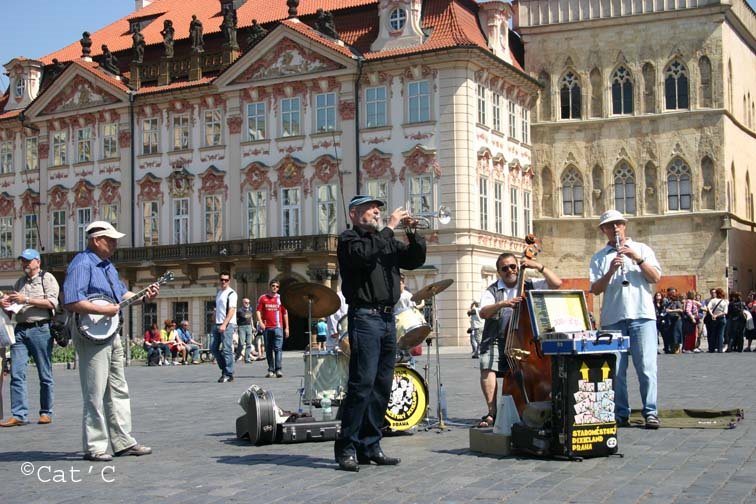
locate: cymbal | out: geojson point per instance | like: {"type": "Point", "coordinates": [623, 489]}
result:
{"type": "Point", "coordinates": [414, 337]}
{"type": "Point", "coordinates": [324, 300]}
{"type": "Point", "coordinates": [431, 290]}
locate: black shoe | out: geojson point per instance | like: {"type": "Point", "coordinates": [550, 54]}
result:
{"type": "Point", "coordinates": [623, 422]}
{"type": "Point", "coordinates": [379, 458]}
{"type": "Point", "coordinates": [224, 379]}
{"type": "Point", "coordinates": [348, 463]}
{"type": "Point", "coordinates": [230, 378]}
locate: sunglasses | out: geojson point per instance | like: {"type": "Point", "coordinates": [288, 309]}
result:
{"type": "Point", "coordinates": [275, 286]}
{"type": "Point", "coordinates": [512, 267]}
{"type": "Point", "coordinates": [225, 279]}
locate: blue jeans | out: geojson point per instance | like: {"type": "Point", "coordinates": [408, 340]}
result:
{"type": "Point", "coordinates": [37, 342]}
{"type": "Point", "coordinates": [274, 349]}
{"type": "Point", "coordinates": [246, 335]}
{"type": "Point", "coordinates": [372, 339]}
{"type": "Point", "coordinates": [720, 325]}
{"type": "Point", "coordinates": [224, 358]}
{"type": "Point", "coordinates": [643, 346]}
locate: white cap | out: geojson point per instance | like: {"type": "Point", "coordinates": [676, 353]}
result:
{"type": "Point", "coordinates": [611, 216]}
{"type": "Point", "coordinates": [102, 228]}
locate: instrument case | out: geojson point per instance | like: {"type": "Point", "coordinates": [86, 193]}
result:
{"type": "Point", "coordinates": [531, 440]}
{"type": "Point", "coordinates": [301, 432]}
{"type": "Point", "coordinates": [584, 342]}
{"type": "Point", "coordinates": [258, 424]}
{"type": "Point", "coordinates": [582, 413]}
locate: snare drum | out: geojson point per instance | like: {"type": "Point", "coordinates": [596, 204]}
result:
{"type": "Point", "coordinates": [330, 372]}
{"type": "Point", "coordinates": [411, 328]}
{"type": "Point", "coordinates": [408, 400]}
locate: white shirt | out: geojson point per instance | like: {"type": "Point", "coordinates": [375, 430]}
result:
{"type": "Point", "coordinates": [333, 321]}
{"type": "Point", "coordinates": [221, 297]}
{"type": "Point", "coordinates": [405, 302]}
{"type": "Point", "coordinates": [486, 298]}
{"type": "Point", "coordinates": [636, 301]}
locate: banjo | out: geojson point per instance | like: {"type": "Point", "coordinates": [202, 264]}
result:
{"type": "Point", "coordinates": [100, 328]}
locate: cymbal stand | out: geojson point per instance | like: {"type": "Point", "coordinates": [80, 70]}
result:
{"type": "Point", "coordinates": [440, 423]}
{"type": "Point", "coordinates": [308, 332]}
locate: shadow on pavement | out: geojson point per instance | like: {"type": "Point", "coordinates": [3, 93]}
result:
{"type": "Point", "coordinates": [39, 456]}
{"type": "Point", "coordinates": [279, 459]}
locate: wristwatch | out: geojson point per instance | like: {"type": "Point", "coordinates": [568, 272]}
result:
{"type": "Point", "coordinates": [641, 261]}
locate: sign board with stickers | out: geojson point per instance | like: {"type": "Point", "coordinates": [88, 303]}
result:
{"type": "Point", "coordinates": [583, 421]}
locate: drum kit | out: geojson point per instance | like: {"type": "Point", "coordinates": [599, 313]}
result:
{"type": "Point", "coordinates": [327, 373]}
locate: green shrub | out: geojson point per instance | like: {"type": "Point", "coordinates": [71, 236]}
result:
{"type": "Point", "coordinates": [63, 354]}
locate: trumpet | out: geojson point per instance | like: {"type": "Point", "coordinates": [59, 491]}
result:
{"type": "Point", "coordinates": [623, 268]}
{"type": "Point", "coordinates": [422, 220]}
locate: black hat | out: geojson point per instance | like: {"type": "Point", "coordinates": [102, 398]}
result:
{"type": "Point", "coordinates": [362, 199]}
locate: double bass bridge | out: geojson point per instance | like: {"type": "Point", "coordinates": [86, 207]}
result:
{"type": "Point", "coordinates": [518, 354]}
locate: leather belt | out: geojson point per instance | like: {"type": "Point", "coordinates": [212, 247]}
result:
{"type": "Point", "coordinates": [27, 325]}
{"type": "Point", "coordinates": [376, 308]}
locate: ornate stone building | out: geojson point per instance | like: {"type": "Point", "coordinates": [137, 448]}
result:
{"type": "Point", "coordinates": [227, 134]}
{"type": "Point", "coordinates": [648, 107]}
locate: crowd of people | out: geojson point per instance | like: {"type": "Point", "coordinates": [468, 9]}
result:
{"type": "Point", "coordinates": [724, 322]}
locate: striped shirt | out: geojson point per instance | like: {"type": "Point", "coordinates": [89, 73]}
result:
{"type": "Point", "coordinates": [33, 289]}
{"type": "Point", "coordinates": [88, 274]}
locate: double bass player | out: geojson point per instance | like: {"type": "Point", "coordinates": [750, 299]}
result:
{"type": "Point", "coordinates": [497, 302]}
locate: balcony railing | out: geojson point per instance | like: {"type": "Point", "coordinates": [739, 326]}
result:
{"type": "Point", "coordinates": [261, 248]}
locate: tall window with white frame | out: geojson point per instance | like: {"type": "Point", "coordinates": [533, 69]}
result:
{"type": "Point", "coordinates": [150, 135]}
{"type": "Point", "coordinates": [6, 157]}
{"type": "Point", "coordinates": [483, 202]}
{"type": "Point", "coordinates": [59, 148]}
{"type": "Point", "coordinates": [514, 210]}
{"type": "Point", "coordinates": [256, 120]}
{"type": "Point", "coordinates": [679, 194]}
{"type": "Point", "coordinates": [378, 188]}
{"type": "Point", "coordinates": [32, 154]}
{"type": "Point", "coordinates": [84, 144]}
{"type": "Point", "coordinates": [213, 218]}
{"type": "Point", "coordinates": [572, 192]}
{"type": "Point", "coordinates": [58, 230]}
{"type": "Point", "coordinates": [624, 188]}
{"type": "Point", "coordinates": [499, 207]}
{"type": "Point", "coordinates": [110, 141]}
{"type": "Point", "coordinates": [290, 210]}
{"type": "Point", "coordinates": [291, 124]}
{"type": "Point", "coordinates": [213, 128]}
{"type": "Point", "coordinates": [325, 112]}
{"type": "Point", "coordinates": [420, 194]}
{"type": "Point", "coordinates": [83, 218]}
{"type": "Point", "coordinates": [496, 111]}
{"type": "Point", "coordinates": [31, 233]}
{"type": "Point", "coordinates": [419, 101]}
{"type": "Point", "coordinates": [151, 225]}
{"type": "Point", "coordinates": [375, 104]}
{"type": "Point", "coordinates": [180, 221]}
{"type": "Point", "coordinates": [181, 131]}
{"type": "Point", "coordinates": [327, 209]}
{"type": "Point", "coordinates": [110, 214]}
{"type": "Point", "coordinates": [6, 236]}
{"type": "Point", "coordinates": [525, 124]}
{"type": "Point", "coordinates": [481, 104]}
{"type": "Point", "coordinates": [257, 211]}
{"type": "Point", "coordinates": [527, 218]}
{"type": "Point", "coordinates": [512, 119]}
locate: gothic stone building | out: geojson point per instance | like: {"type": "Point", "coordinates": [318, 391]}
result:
{"type": "Point", "coordinates": [648, 107]}
{"type": "Point", "coordinates": [233, 146]}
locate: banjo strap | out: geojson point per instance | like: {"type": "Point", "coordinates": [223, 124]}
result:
{"type": "Point", "coordinates": [110, 282]}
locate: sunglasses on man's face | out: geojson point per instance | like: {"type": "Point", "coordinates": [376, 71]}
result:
{"type": "Point", "coordinates": [512, 267]}
{"type": "Point", "coordinates": [225, 279]}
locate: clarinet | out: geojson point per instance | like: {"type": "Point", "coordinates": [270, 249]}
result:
{"type": "Point", "coordinates": [623, 268]}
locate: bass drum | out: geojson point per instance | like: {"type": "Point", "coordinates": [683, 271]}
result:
{"type": "Point", "coordinates": [408, 401]}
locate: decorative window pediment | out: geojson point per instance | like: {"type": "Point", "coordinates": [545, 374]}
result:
{"type": "Point", "coordinates": [287, 58]}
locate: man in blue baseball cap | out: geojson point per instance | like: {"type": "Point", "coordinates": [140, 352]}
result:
{"type": "Point", "coordinates": [37, 294]}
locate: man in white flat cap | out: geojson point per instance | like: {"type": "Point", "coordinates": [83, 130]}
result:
{"type": "Point", "coordinates": [107, 407]}
{"type": "Point", "coordinates": [625, 275]}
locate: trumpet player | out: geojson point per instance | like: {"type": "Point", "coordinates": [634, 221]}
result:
{"type": "Point", "coordinates": [629, 309]}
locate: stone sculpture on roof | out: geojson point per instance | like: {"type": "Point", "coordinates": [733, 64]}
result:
{"type": "Point", "coordinates": [137, 45]}
{"type": "Point", "coordinates": [256, 34]}
{"type": "Point", "coordinates": [195, 35]}
{"type": "Point", "coordinates": [228, 27]}
{"type": "Point", "coordinates": [167, 34]}
{"type": "Point", "coordinates": [109, 61]}
{"type": "Point", "coordinates": [86, 45]}
{"type": "Point", "coordinates": [325, 24]}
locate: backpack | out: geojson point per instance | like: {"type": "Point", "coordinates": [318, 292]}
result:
{"type": "Point", "coordinates": [59, 320]}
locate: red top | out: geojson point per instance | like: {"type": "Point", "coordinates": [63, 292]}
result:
{"type": "Point", "coordinates": [150, 336]}
{"type": "Point", "coordinates": [271, 310]}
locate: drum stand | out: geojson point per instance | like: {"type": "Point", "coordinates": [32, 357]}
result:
{"type": "Point", "coordinates": [438, 422]}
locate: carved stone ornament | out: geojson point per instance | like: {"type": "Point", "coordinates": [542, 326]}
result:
{"type": "Point", "coordinates": [326, 168]}
{"type": "Point", "coordinates": [79, 94]}
{"type": "Point", "coordinates": [213, 182]}
{"type": "Point", "coordinates": [346, 110]}
{"type": "Point", "coordinates": [180, 183]}
{"type": "Point", "coordinates": [149, 189]}
{"type": "Point", "coordinates": [195, 35]}
{"type": "Point", "coordinates": [292, 4]}
{"type": "Point", "coordinates": [256, 176]}
{"type": "Point", "coordinates": [86, 45]}
{"type": "Point", "coordinates": [325, 24]}
{"type": "Point", "coordinates": [234, 124]}
{"type": "Point", "coordinates": [290, 172]}
{"type": "Point", "coordinates": [110, 192]}
{"type": "Point", "coordinates": [256, 34]}
{"type": "Point", "coordinates": [286, 59]}
{"type": "Point", "coordinates": [57, 197]}
{"type": "Point", "coordinates": [419, 160]}
{"type": "Point", "coordinates": [83, 192]}
{"type": "Point", "coordinates": [109, 61]}
{"type": "Point", "coordinates": [7, 206]}
{"type": "Point", "coordinates": [377, 164]}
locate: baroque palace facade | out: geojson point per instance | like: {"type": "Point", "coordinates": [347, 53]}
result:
{"type": "Point", "coordinates": [648, 107]}
{"type": "Point", "coordinates": [227, 135]}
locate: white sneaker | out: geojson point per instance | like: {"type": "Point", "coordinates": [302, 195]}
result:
{"type": "Point", "coordinates": [174, 363]}
{"type": "Point", "coordinates": [160, 363]}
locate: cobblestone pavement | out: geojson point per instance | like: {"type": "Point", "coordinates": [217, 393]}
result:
{"type": "Point", "coordinates": [188, 419]}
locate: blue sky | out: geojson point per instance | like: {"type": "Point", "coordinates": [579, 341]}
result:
{"type": "Point", "coordinates": [57, 23]}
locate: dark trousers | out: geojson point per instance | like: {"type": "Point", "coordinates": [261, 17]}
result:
{"type": "Point", "coordinates": [735, 333]}
{"type": "Point", "coordinates": [372, 339]}
{"type": "Point", "coordinates": [673, 335]}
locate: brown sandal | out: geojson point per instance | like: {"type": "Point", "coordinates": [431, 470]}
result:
{"type": "Point", "coordinates": [486, 421]}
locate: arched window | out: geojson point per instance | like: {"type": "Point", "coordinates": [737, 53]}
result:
{"type": "Point", "coordinates": [649, 88]}
{"type": "Point", "coordinates": [569, 96]}
{"type": "Point", "coordinates": [708, 188]}
{"type": "Point", "coordinates": [676, 86]}
{"type": "Point", "coordinates": [572, 192]}
{"type": "Point", "coordinates": [545, 80]}
{"type": "Point", "coordinates": [705, 95]}
{"type": "Point", "coordinates": [597, 102]}
{"type": "Point", "coordinates": [622, 92]}
{"type": "Point", "coordinates": [678, 185]}
{"type": "Point", "coordinates": [624, 188]}
{"type": "Point", "coordinates": [598, 190]}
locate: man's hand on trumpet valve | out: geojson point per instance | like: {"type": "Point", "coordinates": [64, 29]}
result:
{"type": "Point", "coordinates": [398, 216]}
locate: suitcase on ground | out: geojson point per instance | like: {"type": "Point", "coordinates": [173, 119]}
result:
{"type": "Point", "coordinates": [301, 432]}
{"type": "Point", "coordinates": [531, 440]}
{"type": "Point", "coordinates": [258, 423]}
{"type": "Point", "coordinates": [582, 419]}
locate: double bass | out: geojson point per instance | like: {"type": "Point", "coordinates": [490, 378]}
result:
{"type": "Point", "coordinates": [528, 378]}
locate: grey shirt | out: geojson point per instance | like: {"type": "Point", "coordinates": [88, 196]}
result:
{"type": "Point", "coordinates": [33, 289]}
